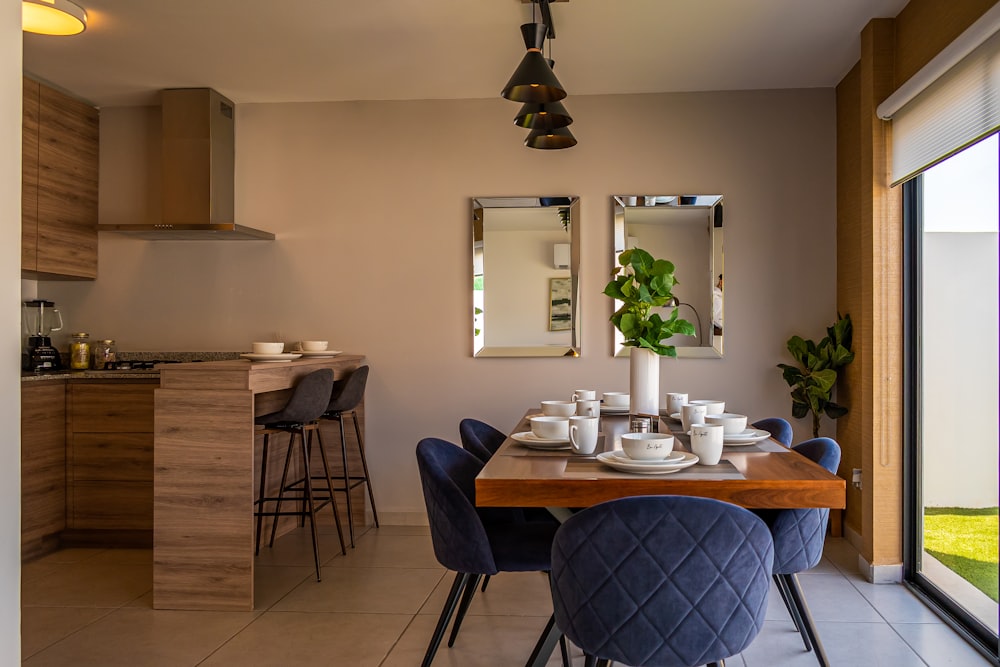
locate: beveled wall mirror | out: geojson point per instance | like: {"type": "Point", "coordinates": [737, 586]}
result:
{"type": "Point", "coordinates": [685, 230]}
{"type": "Point", "coordinates": [525, 277]}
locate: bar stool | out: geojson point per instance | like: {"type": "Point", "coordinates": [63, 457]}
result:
{"type": "Point", "coordinates": [344, 399]}
{"type": "Point", "coordinates": [299, 417]}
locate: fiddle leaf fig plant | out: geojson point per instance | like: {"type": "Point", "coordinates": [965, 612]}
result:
{"type": "Point", "coordinates": [813, 380]}
{"type": "Point", "coordinates": [642, 283]}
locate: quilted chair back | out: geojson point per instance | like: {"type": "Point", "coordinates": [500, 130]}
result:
{"type": "Point", "coordinates": [779, 429]}
{"type": "Point", "coordinates": [661, 581]}
{"type": "Point", "coordinates": [447, 474]}
{"type": "Point", "coordinates": [480, 438]}
{"type": "Point", "coordinates": [799, 534]}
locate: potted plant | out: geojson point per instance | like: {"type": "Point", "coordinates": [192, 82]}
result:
{"type": "Point", "coordinates": [642, 283]}
{"type": "Point", "coordinates": [813, 381]}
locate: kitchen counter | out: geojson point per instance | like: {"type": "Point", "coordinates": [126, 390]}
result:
{"type": "Point", "coordinates": [170, 358]}
{"type": "Point", "coordinates": [145, 374]}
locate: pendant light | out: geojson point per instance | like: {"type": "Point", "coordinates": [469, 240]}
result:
{"type": "Point", "coordinates": [533, 81]}
{"type": "Point", "coordinates": [53, 17]}
{"type": "Point", "coordinates": [543, 116]}
{"type": "Point", "coordinates": [553, 139]}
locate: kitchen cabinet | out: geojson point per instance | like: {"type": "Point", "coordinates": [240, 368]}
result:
{"type": "Point", "coordinates": [43, 467]}
{"type": "Point", "coordinates": [59, 175]}
{"type": "Point", "coordinates": [109, 429]}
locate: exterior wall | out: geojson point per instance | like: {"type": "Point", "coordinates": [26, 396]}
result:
{"type": "Point", "coordinates": [370, 202]}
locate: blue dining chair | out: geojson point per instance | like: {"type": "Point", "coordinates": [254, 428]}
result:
{"type": "Point", "coordinates": [661, 581]}
{"type": "Point", "coordinates": [480, 438]}
{"type": "Point", "coordinates": [463, 541]}
{"type": "Point", "coordinates": [779, 429]}
{"type": "Point", "coordinates": [798, 536]}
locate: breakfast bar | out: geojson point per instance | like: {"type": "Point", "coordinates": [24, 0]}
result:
{"type": "Point", "coordinates": [203, 481]}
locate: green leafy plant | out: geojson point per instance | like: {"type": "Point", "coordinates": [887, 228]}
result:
{"type": "Point", "coordinates": [812, 382]}
{"type": "Point", "coordinates": [642, 283]}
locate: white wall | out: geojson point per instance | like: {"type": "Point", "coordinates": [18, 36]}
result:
{"type": "Point", "coordinates": [10, 334]}
{"type": "Point", "coordinates": [370, 202]}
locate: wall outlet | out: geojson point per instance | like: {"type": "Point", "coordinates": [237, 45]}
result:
{"type": "Point", "coordinates": [856, 478]}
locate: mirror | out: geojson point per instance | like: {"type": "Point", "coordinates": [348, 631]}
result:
{"type": "Point", "coordinates": [685, 230]}
{"type": "Point", "coordinates": [525, 277]}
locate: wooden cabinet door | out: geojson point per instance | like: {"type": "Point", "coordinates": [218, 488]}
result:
{"type": "Point", "coordinates": [67, 186]}
{"type": "Point", "coordinates": [29, 176]}
{"type": "Point", "coordinates": [43, 466]}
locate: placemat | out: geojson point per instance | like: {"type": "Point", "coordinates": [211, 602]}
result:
{"type": "Point", "coordinates": [589, 468]}
{"type": "Point", "coordinates": [767, 445]}
{"type": "Point", "coordinates": [515, 448]}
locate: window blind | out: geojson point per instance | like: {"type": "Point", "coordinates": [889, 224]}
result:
{"type": "Point", "coordinates": [960, 107]}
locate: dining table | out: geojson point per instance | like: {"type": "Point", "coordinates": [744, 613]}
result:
{"type": "Point", "coordinates": [757, 475]}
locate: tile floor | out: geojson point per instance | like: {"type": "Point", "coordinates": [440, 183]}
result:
{"type": "Point", "coordinates": [378, 606]}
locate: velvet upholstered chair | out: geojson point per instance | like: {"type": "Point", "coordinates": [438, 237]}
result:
{"type": "Point", "coordinates": [799, 535]}
{"type": "Point", "coordinates": [779, 429]}
{"type": "Point", "coordinates": [661, 581]}
{"type": "Point", "coordinates": [480, 438]}
{"type": "Point", "coordinates": [463, 541]}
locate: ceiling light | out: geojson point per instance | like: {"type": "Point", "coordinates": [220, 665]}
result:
{"type": "Point", "coordinates": [533, 80]}
{"type": "Point", "coordinates": [553, 139]}
{"type": "Point", "coordinates": [543, 116]}
{"type": "Point", "coordinates": [52, 17]}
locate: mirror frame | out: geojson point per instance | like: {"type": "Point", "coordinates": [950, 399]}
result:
{"type": "Point", "coordinates": [480, 206]}
{"type": "Point", "coordinates": [713, 207]}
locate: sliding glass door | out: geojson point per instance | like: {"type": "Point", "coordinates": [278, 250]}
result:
{"type": "Point", "coordinates": [951, 222]}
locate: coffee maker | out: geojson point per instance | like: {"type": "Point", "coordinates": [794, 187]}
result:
{"type": "Point", "coordinates": [40, 319]}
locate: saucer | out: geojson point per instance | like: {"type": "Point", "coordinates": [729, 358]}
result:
{"type": "Point", "coordinates": [614, 410]}
{"type": "Point", "coordinates": [285, 356]}
{"type": "Point", "coordinates": [747, 437]}
{"type": "Point", "coordinates": [613, 460]}
{"type": "Point", "coordinates": [529, 439]}
{"type": "Point", "coordinates": [318, 353]}
{"type": "Point", "coordinates": [672, 457]}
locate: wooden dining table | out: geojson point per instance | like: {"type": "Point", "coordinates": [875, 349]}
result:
{"type": "Point", "coordinates": [761, 475]}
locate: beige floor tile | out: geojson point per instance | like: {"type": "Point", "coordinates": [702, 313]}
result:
{"type": "Point", "coordinates": [88, 584]}
{"type": "Point", "coordinates": [363, 590]}
{"type": "Point", "coordinates": [72, 555]}
{"type": "Point", "coordinates": [271, 583]}
{"type": "Point", "coordinates": [305, 639]}
{"type": "Point", "coordinates": [43, 626]}
{"type": "Point", "coordinates": [400, 530]}
{"type": "Point", "coordinates": [131, 636]}
{"type": "Point", "coordinates": [295, 548]}
{"type": "Point", "coordinates": [124, 557]}
{"type": "Point", "coordinates": [377, 550]}
{"type": "Point", "coordinates": [484, 641]}
{"type": "Point", "coordinates": [508, 594]}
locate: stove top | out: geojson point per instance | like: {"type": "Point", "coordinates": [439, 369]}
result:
{"type": "Point", "coordinates": [135, 365]}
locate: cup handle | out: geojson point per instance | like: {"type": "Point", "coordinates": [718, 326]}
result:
{"type": "Point", "coordinates": [572, 437]}
{"type": "Point", "coordinates": [574, 398]}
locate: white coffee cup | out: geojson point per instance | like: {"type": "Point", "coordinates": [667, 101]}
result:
{"type": "Point", "coordinates": [313, 345]}
{"type": "Point", "coordinates": [590, 407]}
{"type": "Point", "coordinates": [616, 399]}
{"type": "Point", "coordinates": [558, 408]}
{"type": "Point", "coordinates": [706, 443]}
{"type": "Point", "coordinates": [692, 413]}
{"type": "Point", "coordinates": [550, 428]}
{"type": "Point", "coordinates": [732, 423]}
{"type": "Point", "coordinates": [647, 446]}
{"type": "Point", "coordinates": [675, 401]}
{"type": "Point", "coordinates": [268, 348]}
{"type": "Point", "coordinates": [715, 406]}
{"type": "Point", "coordinates": [583, 434]}
{"type": "Point", "coordinates": [584, 394]}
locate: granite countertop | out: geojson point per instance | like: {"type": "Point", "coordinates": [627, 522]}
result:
{"type": "Point", "coordinates": [136, 374]}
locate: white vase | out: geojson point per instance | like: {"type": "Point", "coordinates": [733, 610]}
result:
{"type": "Point", "coordinates": [644, 381]}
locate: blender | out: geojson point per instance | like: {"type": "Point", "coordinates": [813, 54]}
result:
{"type": "Point", "coordinates": [41, 318]}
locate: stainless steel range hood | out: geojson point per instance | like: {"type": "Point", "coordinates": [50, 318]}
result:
{"type": "Point", "coordinates": [199, 166]}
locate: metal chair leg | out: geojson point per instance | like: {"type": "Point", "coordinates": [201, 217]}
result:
{"type": "Point", "coordinates": [347, 479]}
{"type": "Point", "coordinates": [310, 502]}
{"type": "Point", "coordinates": [461, 579]}
{"type": "Point", "coordinates": [486, 582]}
{"type": "Point", "coordinates": [589, 661]}
{"type": "Point", "coordinates": [261, 494]}
{"type": "Point", "coordinates": [281, 490]}
{"type": "Point", "coordinates": [792, 610]}
{"type": "Point", "coordinates": [795, 595]}
{"type": "Point", "coordinates": [463, 607]}
{"type": "Point", "coordinates": [364, 466]}
{"type": "Point", "coordinates": [564, 649]}
{"type": "Point", "coordinates": [329, 486]}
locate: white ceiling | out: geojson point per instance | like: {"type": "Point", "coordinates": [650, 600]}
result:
{"type": "Point", "coordinates": [319, 50]}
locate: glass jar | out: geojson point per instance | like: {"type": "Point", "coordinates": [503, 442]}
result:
{"type": "Point", "coordinates": [79, 351]}
{"type": "Point", "coordinates": [104, 354]}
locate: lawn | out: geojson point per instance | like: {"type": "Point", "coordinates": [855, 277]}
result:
{"type": "Point", "coordinates": [965, 541]}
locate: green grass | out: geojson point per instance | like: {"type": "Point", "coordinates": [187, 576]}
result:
{"type": "Point", "coordinates": [965, 541]}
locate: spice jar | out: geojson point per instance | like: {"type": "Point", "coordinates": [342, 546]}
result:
{"type": "Point", "coordinates": [79, 351]}
{"type": "Point", "coordinates": [104, 354]}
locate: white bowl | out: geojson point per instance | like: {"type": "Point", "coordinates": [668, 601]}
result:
{"type": "Point", "coordinates": [731, 423]}
{"type": "Point", "coordinates": [616, 399]}
{"type": "Point", "coordinates": [647, 446]}
{"type": "Point", "coordinates": [313, 345]}
{"type": "Point", "coordinates": [559, 408]}
{"type": "Point", "coordinates": [268, 348]}
{"type": "Point", "coordinates": [550, 428]}
{"type": "Point", "coordinates": [715, 407]}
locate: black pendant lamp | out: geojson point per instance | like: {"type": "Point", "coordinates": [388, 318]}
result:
{"type": "Point", "coordinates": [553, 139]}
{"type": "Point", "coordinates": [533, 81]}
{"type": "Point", "coordinates": [543, 116]}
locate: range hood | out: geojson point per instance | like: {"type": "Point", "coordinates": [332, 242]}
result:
{"type": "Point", "coordinates": [199, 166]}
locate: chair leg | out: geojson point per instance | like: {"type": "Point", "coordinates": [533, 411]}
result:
{"type": "Point", "coordinates": [463, 607]}
{"type": "Point", "coordinates": [364, 467]}
{"type": "Point", "coordinates": [589, 661]}
{"type": "Point", "coordinates": [311, 502]}
{"type": "Point", "coordinates": [347, 479]}
{"type": "Point", "coordinates": [795, 595]}
{"type": "Point", "coordinates": [261, 495]}
{"type": "Point", "coordinates": [564, 650]}
{"type": "Point", "coordinates": [792, 610]}
{"type": "Point", "coordinates": [461, 580]}
{"type": "Point", "coordinates": [281, 490]}
{"type": "Point", "coordinates": [329, 486]}
{"type": "Point", "coordinates": [486, 582]}
{"type": "Point", "coordinates": [545, 645]}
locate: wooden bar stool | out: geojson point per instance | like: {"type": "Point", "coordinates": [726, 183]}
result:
{"type": "Point", "coordinates": [344, 399]}
{"type": "Point", "coordinates": [299, 417]}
